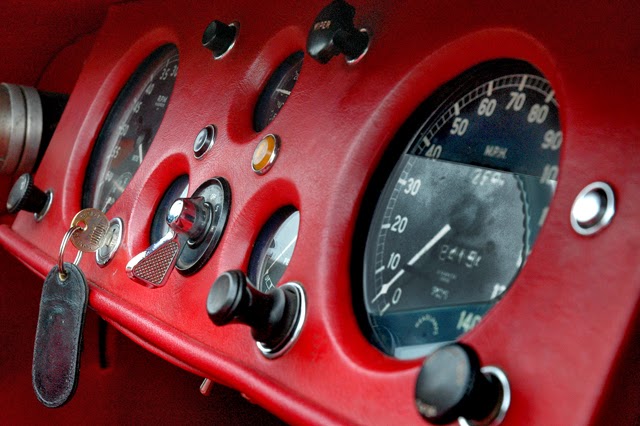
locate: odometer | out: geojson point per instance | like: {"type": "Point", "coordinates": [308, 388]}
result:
{"type": "Point", "coordinates": [129, 128]}
{"type": "Point", "coordinates": [460, 209]}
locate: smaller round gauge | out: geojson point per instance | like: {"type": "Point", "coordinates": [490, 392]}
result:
{"type": "Point", "coordinates": [179, 188]}
{"type": "Point", "coordinates": [273, 249]}
{"type": "Point", "coordinates": [277, 91]}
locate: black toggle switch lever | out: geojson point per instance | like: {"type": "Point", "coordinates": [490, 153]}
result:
{"type": "Point", "coordinates": [274, 317]}
{"type": "Point", "coordinates": [26, 196]}
{"type": "Point", "coordinates": [333, 33]}
{"type": "Point", "coordinates": [451, 385]}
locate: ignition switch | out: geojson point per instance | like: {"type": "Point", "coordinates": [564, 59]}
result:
{"type": "Point", "coordinates": [195, 225]}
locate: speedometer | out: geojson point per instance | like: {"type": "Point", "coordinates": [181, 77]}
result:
{"type": "Point", "coordinates": [129, 128]}
{"type": "Point", "coordinates": [460, 206]}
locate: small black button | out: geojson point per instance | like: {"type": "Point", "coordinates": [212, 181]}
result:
{"type": "Point", "coordinates": [26, 196]}
{"type": "Point", "coordinates": [219, 38]}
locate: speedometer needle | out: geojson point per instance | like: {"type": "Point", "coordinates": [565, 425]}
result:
{"type": "Point", "coordinates": [432, 242]}
{"type": "Point", "coordinates": [385, 287]}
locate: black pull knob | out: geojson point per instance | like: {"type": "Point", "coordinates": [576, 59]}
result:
{"type": "Point", "coordinates": [219, 37]}
{"type": "Point", "coordinates": [333, 33]}
{"type": "Point", "coordinates": [26, 196]}
{"type": "Point", "coordinates": [271, 315]}
{"type": "Point", "coordinates": [451, 385]}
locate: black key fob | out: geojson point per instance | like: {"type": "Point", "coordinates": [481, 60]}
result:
{"type": "Point", "coordinates": [56, 355]}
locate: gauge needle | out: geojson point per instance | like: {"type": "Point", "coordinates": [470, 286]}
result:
{"type": "Point", "coordinates": [432, 242]}
{"type": "Point", "coordinates": [280, 255]}
{"type": "Point", "coordinates": [118, 187]}
{"type": "Point", "coordinates": [140, 155]}
{"type": "Point", "coordinates": [286, 92]}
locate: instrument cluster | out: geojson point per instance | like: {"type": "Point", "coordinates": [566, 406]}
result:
{"type": "Point", "coordinates": [315, 194]}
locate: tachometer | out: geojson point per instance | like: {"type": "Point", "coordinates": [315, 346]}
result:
{"type": "Point", "coordinates": [459, 212]}
{"type": "Point", "coordinates": [129, 128]}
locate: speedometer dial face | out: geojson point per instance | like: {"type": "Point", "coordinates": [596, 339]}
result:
{"type": "Point", "coordinates": [462, 206]}
{"type": "Point", "coordinates": [130, 128]}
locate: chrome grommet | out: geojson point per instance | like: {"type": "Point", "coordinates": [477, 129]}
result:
{"type": "Point", "coordinates": [235, 25]}
{"type": "Point", "coordinates": [296, 326]}
{"type": "Point", "coordinates": [204, 141]}
{"type": "Point", "coordinates": [593, 208]}
{"type": "Point", "coordinates": [353, 61]}
{"type": "Point", "coordinates": [501, 411]}
{"type": "Point", "coordinates": [41, 214]}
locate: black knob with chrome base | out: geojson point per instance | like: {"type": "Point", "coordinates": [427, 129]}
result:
{"type": "Point", "coordinates": [219, 37]}
{"type": "Point", "coordinates": [333, 33]}
{"type": "Point", "coordinates": [26, 196]}
{"type": "Point", "coordinates": [274, 317]}
{"type": "Point", "coordinates": [452, 385]}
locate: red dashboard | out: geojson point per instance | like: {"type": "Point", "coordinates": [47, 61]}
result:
{"type": "Point", "coordinates": [567, 332]}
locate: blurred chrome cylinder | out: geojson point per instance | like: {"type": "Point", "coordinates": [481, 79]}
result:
{"type": "Point", "coordinates": [28, 119]}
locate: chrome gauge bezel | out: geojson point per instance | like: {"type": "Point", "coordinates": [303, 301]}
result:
{"type": "Point", "coordinates": [216, 192]}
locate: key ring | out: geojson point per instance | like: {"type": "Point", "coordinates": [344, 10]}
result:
{"type": "Point", "coordinates": [61, 272]}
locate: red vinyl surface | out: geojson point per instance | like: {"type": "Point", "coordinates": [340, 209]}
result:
{"type": "Point", "coordinates": [132, 386]}
{"type": "Point", "coordinates": [564, 333]}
